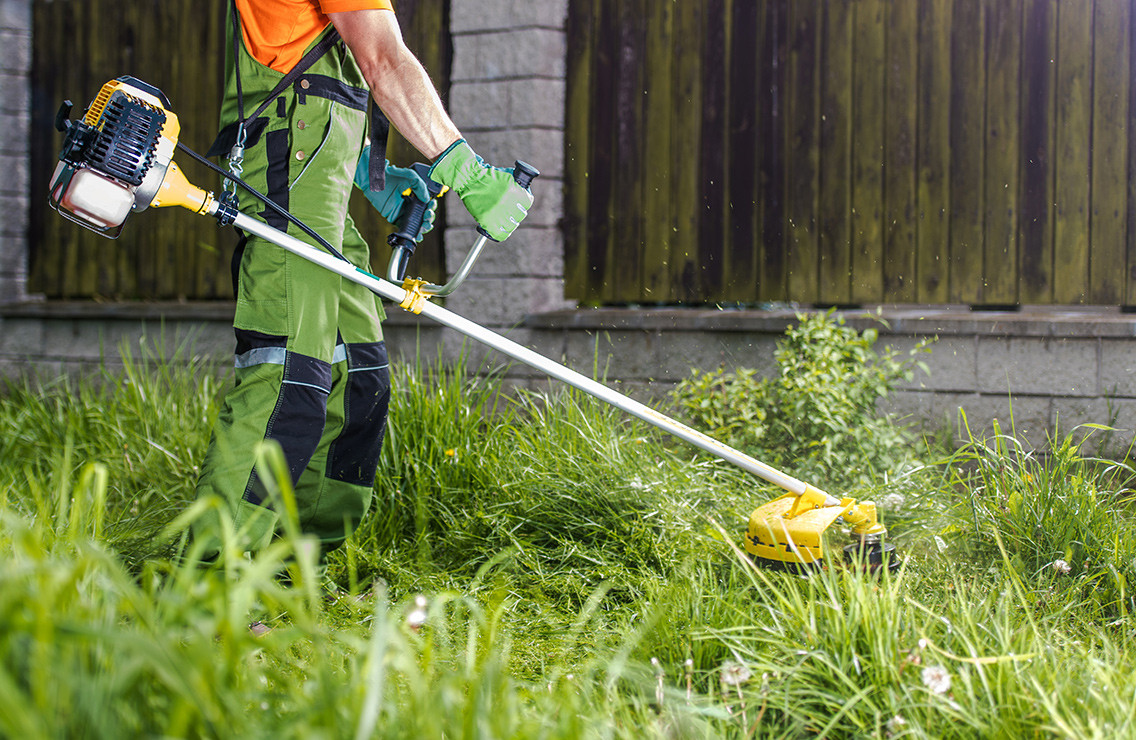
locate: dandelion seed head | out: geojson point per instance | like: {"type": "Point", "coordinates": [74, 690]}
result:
{"type": "Point", "coordinates": [734, 673]}
{"type": "Point", "coordinates": [937, 679]}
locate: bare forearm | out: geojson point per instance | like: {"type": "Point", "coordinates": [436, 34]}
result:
{"type": "Point", "coordinates": [398, 82]}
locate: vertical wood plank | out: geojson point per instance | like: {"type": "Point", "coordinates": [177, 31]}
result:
{"type": "Point", "coordinates": [968, 97]}
{"type": "Point", "coordinates": [835, 236]}
{"type": "Point", "coordinates": [1074, 129]}
{"type": "Point", "coordinates": [626, 252]}
{"type": "Point", "coordinates": [714, 141]}
{"type": "Point", "coordinates": [602, 167]}
{"type": "Point", "coordinates": [46, 249]}
{"type": "Point", "coordinates": [686, 137]}
{"type": "Point", "coordinates": [740, 253]}
{"type": "Point", "coordinates": [868, 151]}
{"type": "Point", "coordinates": [933, 151]}
{"type": "Point", "coordinates": [657, 173]}
{"type": "Point", "coordinates": [900, 126]}
{"type": "Point", "coordinates": [771, 73]}
{"type": "Point", "coordinates": [1038, 95]}
{"type": "Point", "coordinates": [1108, 227]}
{"type": "Point", "coordinates": [1003, 84]}
{"type": "Point", "coordinates": [1128, 301]}
{"type": "Point", "coordinates": [802, 151]}
{"type": "Point", "coordinates": [577, 142]}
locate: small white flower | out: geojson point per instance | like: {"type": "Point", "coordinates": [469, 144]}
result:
{"type": "Point", "coordinates": [922, 643]}
{"type": "Point", "coordinates": [1061, 567]}
{"type": "Point", "coordinates": [734, 674]}
{"type": "Point", "coordinates": [418, 615]}
{"type": "Point", "coordinates": [895, 725]}
{"type": "Point", "coordinates": [937, 679]}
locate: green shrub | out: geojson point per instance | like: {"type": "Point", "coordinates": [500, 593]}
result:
{"type": "Point", "coordinates": [819, 416]}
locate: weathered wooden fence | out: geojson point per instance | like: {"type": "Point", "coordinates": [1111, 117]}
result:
{"type": "Point", "coordinates": [178, 46]}
{"type": "Point", "coordinates": [851, 151]}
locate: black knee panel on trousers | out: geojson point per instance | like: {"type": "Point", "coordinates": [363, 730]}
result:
{"type": "Point", "coordinates": [297, 422]}
{"type": "Point", "coordinates": [354, 455]}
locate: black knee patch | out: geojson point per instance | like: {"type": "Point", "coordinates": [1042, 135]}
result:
{"type": "Point", "coordinates": [354, 455]}
{"type": "Point", "coordinates": [298, 420]}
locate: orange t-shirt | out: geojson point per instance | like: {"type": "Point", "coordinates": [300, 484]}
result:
{"type": "Point", "coordinates": [276, 32]}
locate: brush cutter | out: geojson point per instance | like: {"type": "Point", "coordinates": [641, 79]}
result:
{"type": "Point", "coordinates": [118, 159]}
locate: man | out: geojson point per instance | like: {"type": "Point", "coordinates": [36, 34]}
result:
{"type": "Point", "coordinates": [311, 365]}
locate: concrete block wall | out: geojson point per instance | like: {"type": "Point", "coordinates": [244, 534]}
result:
{"type": "Point", "coordinates": [1035, 372]}
{"type": "Point", "coordinates": [15, 146]}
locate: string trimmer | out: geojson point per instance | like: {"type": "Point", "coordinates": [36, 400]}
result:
{"type": "Point", "coordinates": [118, 159]}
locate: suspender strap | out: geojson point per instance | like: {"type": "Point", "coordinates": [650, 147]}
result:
{"type": "Point", "coordinates": [377, 167]}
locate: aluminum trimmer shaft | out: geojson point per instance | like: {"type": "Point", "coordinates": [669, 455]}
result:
{"type": "Point", "coordinates": [464, 326]}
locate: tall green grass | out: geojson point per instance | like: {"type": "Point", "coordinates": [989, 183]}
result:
{"type": "Point", "coordinates": [538, 566]}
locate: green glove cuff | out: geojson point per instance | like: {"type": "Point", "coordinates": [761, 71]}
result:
{"type": "Point", "coordinates": [490, 194]}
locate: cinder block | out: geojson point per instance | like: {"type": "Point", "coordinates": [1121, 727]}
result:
{"type": "Point", "coordinates": [1025, 418]}
{"type": "Point", "coordinates": [492, 15]}
{"type": "Point", "coordinates": [407, 342]}
{"type": "Point", "coordinates": [16, 15]}
{"type": "Point", "coordinates": [17, 45]}
{"type": "Point", "coordinates": [1079, 418]}
{"type": "Point", "coordinates": [630, 355]}
{"type": "Point", "coordinates": [15, 214]}
{"type": "Point", "coordinates": [1039, 365]}
{"type": "Point", "coordinates": [13, 287]}
{"type": "Point", "coordinates": [541, 147]}
{"type": "Point", "coordinates": [682, 351]}
{"type": "Point", "coordinates": [1118, 367]}
{"type": "Point", "coordinates": [38, 371]}
{"type": "Point", "coordinates": [528, 52]}
{"type": "Point", "coordinates": [498, 302]}
{"type": "Point", "coordinates": [508, 103]}
{"type": "Point", "coordinates": [911, 409]}
{"type": "Point", "coordinates": [15, 94]}
{"type": "Point", "coordinates": [13, 255]}
{"type": "Point", "coordinates": [74, 340]}
{"type": "Point", "coordinates": [952, 362]}
{"type": "Point", "coordinates": [210, 340]}
{"type": "Point", "coordinates": [17, 174]}
{"type": "Point", "coordinates": [529, 252]}
{"type": "Point", "coordinates": [483, 359]}
{"type": "Point", "coordinates": [1069, 413]}
{"type": "Point", "coordinates": [20, 338]}
{"type": "Point", "coordinates": [14, 131]}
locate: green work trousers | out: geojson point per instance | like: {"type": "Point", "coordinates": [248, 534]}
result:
{"type": "Point", "coordinates": [311, 366]}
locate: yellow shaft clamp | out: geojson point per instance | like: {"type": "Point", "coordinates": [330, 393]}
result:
{"type": "Point", "coordinates": [414, 295]}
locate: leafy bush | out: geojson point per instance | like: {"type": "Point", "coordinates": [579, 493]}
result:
{"type": "Point", "coordinates": [819, 415]}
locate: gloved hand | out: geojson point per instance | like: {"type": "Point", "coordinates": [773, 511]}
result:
{"type": "Point", "coordinates": [389, 201]}
{"type": "Point", "coordinates": [490, 194]}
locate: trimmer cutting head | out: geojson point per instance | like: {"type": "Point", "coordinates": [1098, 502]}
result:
{"type": "Point", "coordinates": [795, 532]}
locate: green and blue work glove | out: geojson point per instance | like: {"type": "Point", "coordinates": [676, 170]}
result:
{"type": "Point", "coordinates": [490, 194]}
{"type": "Point", "coordinates": [389, 201]}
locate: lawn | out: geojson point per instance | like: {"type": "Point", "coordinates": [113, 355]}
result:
{"type": "Point", "coordinates": [540, 566]}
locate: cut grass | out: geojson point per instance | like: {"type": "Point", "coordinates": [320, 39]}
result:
{"type": "Point", "coordinates": [579, 577]}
